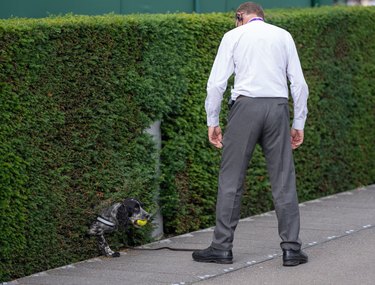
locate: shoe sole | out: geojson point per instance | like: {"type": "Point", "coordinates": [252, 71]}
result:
{"type": "Point", "coordinates": [294, 262]}
{"type": "Point", "coordinates": [220, 261]}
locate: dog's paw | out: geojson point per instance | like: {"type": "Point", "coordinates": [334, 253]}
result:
{"type": "Point", "coordinates": [115, 254]}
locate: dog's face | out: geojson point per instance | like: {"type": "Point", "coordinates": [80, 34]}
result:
{"type": "Point", "coordinates": [135, 211]}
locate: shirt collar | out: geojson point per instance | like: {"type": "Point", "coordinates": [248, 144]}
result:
{"type": "Point", "coordinates": [256, 19]}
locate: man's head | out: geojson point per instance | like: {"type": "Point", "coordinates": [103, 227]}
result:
{"type": "Point", "coordinates": [246, 11]}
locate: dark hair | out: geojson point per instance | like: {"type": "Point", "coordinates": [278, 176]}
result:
{"type": "Point", "coordinates": [249, 8]}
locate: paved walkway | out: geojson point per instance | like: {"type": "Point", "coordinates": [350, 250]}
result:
{"type": "Point", "coordinates": [338, 233]}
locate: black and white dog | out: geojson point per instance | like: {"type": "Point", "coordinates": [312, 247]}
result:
{"type": "Point", "coordinates": [119, 215]}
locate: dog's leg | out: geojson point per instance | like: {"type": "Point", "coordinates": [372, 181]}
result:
{"type": "Point", "coordinates": [104, 247]}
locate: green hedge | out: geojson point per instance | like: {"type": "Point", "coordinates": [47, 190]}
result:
{"type": "Point", "coordinates": [77, 93]}
{"type": "Point", "coordinates": [73, 114]}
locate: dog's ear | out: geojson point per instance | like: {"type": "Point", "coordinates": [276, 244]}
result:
{"type": "Point", "coordinates": [122, 215]}
{"type": "Point", "coordinates": [129, 205]}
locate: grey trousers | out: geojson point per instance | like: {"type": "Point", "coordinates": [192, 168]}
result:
{"type": "Point", "coordinates": [251, 121]}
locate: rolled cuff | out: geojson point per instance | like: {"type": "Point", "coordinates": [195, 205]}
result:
{"type": "Point", "coordinates": [213, 121]}
{"type": "Point", "coordinates": [298, 124]}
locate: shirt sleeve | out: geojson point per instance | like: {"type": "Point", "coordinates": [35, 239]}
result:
{"type": "Point", "coordinates": [222, 69]}
{"type": "Point", "coordinates": [298, 87]}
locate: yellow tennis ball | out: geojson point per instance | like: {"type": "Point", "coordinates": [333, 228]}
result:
{"type": "Point", "coordinates": [141, 222]}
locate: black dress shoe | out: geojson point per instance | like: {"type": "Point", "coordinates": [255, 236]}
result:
{"type": "Point", "coordinates": [293, 257]}
{"type": "Point", "coordinates": [211, 254]}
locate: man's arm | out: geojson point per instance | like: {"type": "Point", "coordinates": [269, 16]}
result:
{"type": "Point", "coordinates": [298, 87]}
{"type": "Point", "coordinates": [300, 92]}
{"type": "Point", "coordinates": [222, 69]}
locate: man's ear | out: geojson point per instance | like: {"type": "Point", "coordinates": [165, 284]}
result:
{"type": "Point", "coordinates": [239, 17]}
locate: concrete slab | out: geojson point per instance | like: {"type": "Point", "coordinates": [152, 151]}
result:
{"type": "Point", "coordinates": [331, 228]}
{"type": "Point", "coordinates": [345, 261]}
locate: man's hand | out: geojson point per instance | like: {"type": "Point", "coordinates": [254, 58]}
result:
{"type": "Point", "coordinates": [296, 138]}
{"type": "Point", "coordinates": [215, 137]}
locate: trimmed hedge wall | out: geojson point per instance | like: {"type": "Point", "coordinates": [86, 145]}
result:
{"type": "Point", "coordinates": [74, 106]}
{"type": "Point", "coordinates": [77, 93]}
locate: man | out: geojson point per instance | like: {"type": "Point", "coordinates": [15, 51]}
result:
{"type": "Point", "coordinates": [262, 57]}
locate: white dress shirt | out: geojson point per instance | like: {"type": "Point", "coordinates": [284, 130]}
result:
{"type": "Point", "coordinates": [262, 57]}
